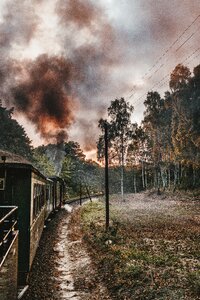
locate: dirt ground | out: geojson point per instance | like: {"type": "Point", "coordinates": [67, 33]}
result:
{"type": "Point", "coordinates": [62, 268]}
{"type": "Point", "coordinates": [148, 206]}
{"type": "Point", "coordinates": [153, 247]}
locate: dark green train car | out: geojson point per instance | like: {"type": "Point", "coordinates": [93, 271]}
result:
{"type": "Point", "coordinates": [49, 197]}
{"type": "Point", "coordinates": [8, 253]}
{"type": "Point", "coordinates": [25, 187]}
{"type": "Point", "coordinates": [58, 190]}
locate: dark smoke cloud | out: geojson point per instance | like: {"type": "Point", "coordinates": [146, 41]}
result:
{"type": "Point", "coordinates": [47, 89]}
{"type": "Point", "coordinates": [97, 52]}
{"type": "Point", "coordinates": [100, 58]}
{"type": "Point", "coordinates": [45, 97]}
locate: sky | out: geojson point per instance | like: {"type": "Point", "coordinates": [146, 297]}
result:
{"type": "Point", "coordinates": [63, 61]}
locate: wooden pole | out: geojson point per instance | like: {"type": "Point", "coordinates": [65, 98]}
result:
{"type": "Point", "coordinates": [106, 176]}
{"type": "Point", "coordinates": [88, 192]}
{"type": "Point", "coordinates": [80, 194]}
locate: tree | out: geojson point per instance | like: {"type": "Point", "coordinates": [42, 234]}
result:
{"type": "Point", "coordinates": [120, 132]}
{"type": "Point", "coordinates": [185, 121]}
{"type": "Point", "coordinates": [138, 154]}
{"type": "Point", "coordinates": [152, 123]}
{"type": "Point", "coordinates": [13, 137]}
{"type": "Point", "coordinates": [179, 77]}
{"type": "Point", "coordinates": [42, 162]}
{"type": "Point", "coordinates": [83, 176]}
{"type": "Point", "coordinates": [173, 128]}
{"type": "Point", "coordinates": [74, 150]}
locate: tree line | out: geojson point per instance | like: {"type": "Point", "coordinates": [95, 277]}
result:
{"type": "Point", "coordinates": [164, 151]}
{"type": "Point", "coordinates": [81, 175]}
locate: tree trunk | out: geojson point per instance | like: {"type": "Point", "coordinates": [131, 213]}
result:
{"type": "Point", "coordinates": [179, 173]}
{"type": "Point", "coordinates": [107, 204]}
{"type": "Point", "coordinates": [194, 176]}
{"type": "Point", "coordinates": [143, 180]}
{"type": "Point", "coordinates": [146, 179]}
{"type": "Point", "coordinates": [175, 176]}
{"type": "Point", "coordinates": [88, 192]}
{"type": "Point", "coordinates": [169, 181]}
{"type": "Point", "coordinates": [164, 177]}
{"type": "Point", "coordinates": [122, 182]}
{"type": "Point", "coordinates": [155, 178]}
{"type": "Point", "coordinates": [135, 184]}
{"type": "Point", "coordinates": [122, 170]}
{"type": "Point", "coordinates": [80, 194]}
{"type": "Point", "coordinates": [158, 184]}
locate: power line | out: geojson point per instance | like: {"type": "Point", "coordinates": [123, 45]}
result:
{"type": "Point", "coordinates": [167, 50]}
{"type": "Point", "coordinates": [160, 83]}
{"type": "Point", "coordinates": [188, 39]}
{"type": "Point", "coordinates": [155, 71]}
{"type": "Point", "coordinates": [188, 58]}
{"type": "Point", "coordinates": [162, 65]}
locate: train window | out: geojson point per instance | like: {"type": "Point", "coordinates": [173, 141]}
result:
{"type": "Point", "coordinates": [2, 183]}
{"type": "Point", "coordinates": [38, 198]}
{"type": "Point", "coordinates": [48, 193]}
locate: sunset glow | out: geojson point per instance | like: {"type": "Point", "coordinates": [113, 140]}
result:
{"type": "Point", "coordinates": [94, 53]}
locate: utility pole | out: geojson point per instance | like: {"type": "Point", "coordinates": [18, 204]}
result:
{"type": "Point", "coordinates": [106, 175]}
{"type": "Point", "coordinates": [80, 193]}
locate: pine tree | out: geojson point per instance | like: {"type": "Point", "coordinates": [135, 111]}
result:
{"type": "Point", "coordinates": [13, 137]}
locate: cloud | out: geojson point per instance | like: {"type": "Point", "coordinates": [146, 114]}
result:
{"type": "Point", "coordinates": [90, 53]}
{"type": "Point", "coordinates": [19, 24]}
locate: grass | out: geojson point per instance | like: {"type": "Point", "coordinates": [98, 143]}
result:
{"type": "Point", "coordinates": [144, 255]}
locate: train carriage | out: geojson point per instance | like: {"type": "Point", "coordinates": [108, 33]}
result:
{"type": "Point", "coordinates": [49, 197]}
{"type": "Point", "coordinates": [24, 187]}
{"type": "Point", "coordinates": [36, 197]}
{"type": "Point", "coordinates": [57, 191]}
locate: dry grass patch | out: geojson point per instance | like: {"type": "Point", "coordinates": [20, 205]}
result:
{"type": "Point", "coordinates": [151, 250]}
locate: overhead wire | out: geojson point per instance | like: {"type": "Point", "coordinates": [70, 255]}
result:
{"type": "Point", "coordinates": [169, 48]}
{"type": "Point", "coordinates": [188, 39]}
{"type": "Point", "coordinates": [165, 52]}
{"type": "Point", "coordinates": [160, 83]}
{"type": "Point", "coordinates": [162, 65]}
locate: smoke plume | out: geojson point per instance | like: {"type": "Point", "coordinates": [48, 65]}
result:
{"type": "Point", "coordinates": [51, 88]}
{"type": "Point", "coordinates": [45, 96]}
{"type": "Point", "coordinates": [63, 61]}
{"type": "Point", "coordinates": [56, 155]}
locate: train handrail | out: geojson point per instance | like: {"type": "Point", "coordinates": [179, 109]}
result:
{"type": "Point", "coordinates": [14, 208]}
{"type": "Point", "coordinates": [8, 226]}
{"type": "Point", "coordinates": [7, 251]}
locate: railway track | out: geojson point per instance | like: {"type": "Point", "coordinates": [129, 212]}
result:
{"type": "Point", "coordinates": [61, 264]}
{"type": "Point", "coordinates": [80, 200]}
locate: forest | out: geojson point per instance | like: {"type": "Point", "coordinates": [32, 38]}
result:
{"type": "Point", "coordinates": [162, 152]}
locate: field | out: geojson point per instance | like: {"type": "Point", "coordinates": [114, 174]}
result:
{"type": "Point", "coordinates": [151, 250]}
